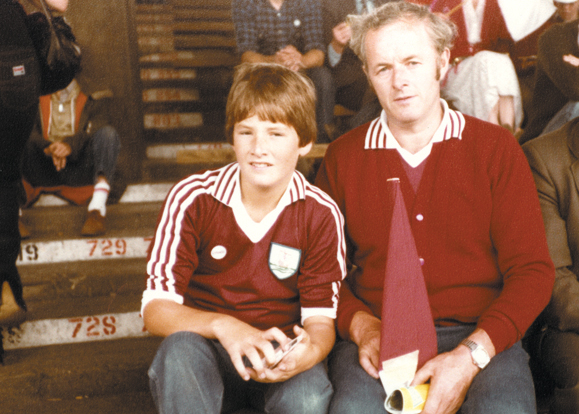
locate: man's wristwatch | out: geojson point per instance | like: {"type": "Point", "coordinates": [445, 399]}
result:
{"type": "Point", "coordinates": [480, 356]}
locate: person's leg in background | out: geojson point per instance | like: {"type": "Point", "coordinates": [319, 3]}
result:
{"type": "Point", "coordinates": [326, 95]}
{"type": "Point", "coordinates": [104, 151]}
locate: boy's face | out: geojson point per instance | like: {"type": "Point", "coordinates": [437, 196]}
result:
{"type": "Point", "coordinates": [267, 154]}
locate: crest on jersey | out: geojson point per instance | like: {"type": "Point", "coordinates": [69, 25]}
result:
{"type": "Point", "coordinates": [284, 261]}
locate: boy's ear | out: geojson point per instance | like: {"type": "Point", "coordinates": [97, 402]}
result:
{"type": "Point", "coordinates": [305, 149]}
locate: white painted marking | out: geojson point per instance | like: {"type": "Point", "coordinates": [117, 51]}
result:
{"type": "Point", "coordinates": [83, 250]}
{"type": "Point", "coordinates": [171, 121]}
{"type": "Point", "coordinates": [49, 200]}
{"type": "Point", "coordinates": [75, 330]}
{"type": "Point", "coordinates": [169, 151]}
{"type": "Point", "coordinates": [170, 95]}
{"type": "Point", "coordinates": [142, 193]}
{"type": "Point", "coordinates": [167, 73]}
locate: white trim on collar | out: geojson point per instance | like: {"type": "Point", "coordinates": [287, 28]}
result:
{"type": "Point", "coordinates": [228, 191]}
{"type": "Point", "coordinates": [379, 135]}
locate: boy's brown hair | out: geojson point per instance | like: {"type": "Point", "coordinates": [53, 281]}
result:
{"type": "Point", "coordinates": [273, 93]}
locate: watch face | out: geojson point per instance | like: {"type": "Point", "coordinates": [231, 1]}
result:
{"type": "Point", "coordinates": [481, 357]}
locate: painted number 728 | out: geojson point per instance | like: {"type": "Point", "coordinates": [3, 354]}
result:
{"type": "Point", "coordinates": [91, 326]}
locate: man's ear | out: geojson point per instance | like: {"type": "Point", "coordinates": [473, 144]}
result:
{"type": "Point", "coordinates": [444, 63]}
{"type": "Point", "coordinates": [303, 151]}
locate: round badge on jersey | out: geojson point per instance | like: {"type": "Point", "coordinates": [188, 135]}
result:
{"type": "Point", "coordinates": [218, 252]}
{"type": "Point", "coordinates": [284, 261]}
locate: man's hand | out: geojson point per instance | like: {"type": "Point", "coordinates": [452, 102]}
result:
{"type": "Point", "coordinates": [365, 332]}
{"type": "Point", "coordinates": [450, 377]}
{"type": "Point", "coordinates": [58, 151]}
{"type": "Point", "coordinates": [341, 35]}
{"type": "Point", "coordinates": [290, 57]}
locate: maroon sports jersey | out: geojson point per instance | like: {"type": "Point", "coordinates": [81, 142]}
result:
{"type": "Point", "coordinates": [208, 254]}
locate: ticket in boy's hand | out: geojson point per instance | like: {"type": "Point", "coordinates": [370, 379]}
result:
{"type": "Point", "coordinates": [279, 353]}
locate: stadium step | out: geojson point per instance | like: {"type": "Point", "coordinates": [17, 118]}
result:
{"type": "Point", "coordinates": [79, 378]}
{"type": "Point", "coordinates": [187, 54]}
{"type": "Point", "coordinates": [83, 347]}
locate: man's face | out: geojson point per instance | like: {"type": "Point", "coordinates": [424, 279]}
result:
{"type": "Point", "coordinates": [403, 67]}
{"type": "Point", "coordinates": [568, 11]}
{"type": "Point", "coordinates": [267, 153]}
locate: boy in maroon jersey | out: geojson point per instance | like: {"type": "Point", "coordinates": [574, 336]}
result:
{"type": "Point", "coordinates": [244, 256]}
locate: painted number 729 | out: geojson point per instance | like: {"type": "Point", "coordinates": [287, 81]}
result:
{"type": "Point", "coordinates": [107, 247]}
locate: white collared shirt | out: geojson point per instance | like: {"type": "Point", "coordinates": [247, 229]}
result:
{"type": "Point", "coordinates": [379, 135]}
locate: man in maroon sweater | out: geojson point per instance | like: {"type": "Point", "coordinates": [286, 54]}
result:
{"type": "Point", "coordinates": [475, 218]}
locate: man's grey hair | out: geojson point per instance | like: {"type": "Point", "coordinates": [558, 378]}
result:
{"type": "Point", "coordinates": [442, 31]}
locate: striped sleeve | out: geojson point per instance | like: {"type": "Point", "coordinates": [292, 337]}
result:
{"type": "Point", "coordinates": [324, 267]}
{"type": "Point", "coordinates": [172, 258]}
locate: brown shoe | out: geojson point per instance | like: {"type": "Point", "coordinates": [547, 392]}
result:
{"type": "Point", "coordinates": [94, 224]}
{"type": "Point", "coordinates": [11, 314]}
{"type": "Point", "coordinates": [24, 232]}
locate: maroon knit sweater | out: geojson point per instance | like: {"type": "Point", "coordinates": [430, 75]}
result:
{"type": "Point", "coordinates": [475, 218]}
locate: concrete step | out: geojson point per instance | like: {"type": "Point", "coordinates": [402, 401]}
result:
{"type": "Point", "coordinates": [157, 169]}
{"type": "Point", "coordinates": [170, 14]}
{"type": "Point", "coordinates": [78, 378]}
{"type": "Point", "coordinates": [203, 26]}
{"type": "Point", "coordinates": [164, 128]}
{"type": "Point", "coordinates": [203, 79]}
{"type": "Point", "coordinates": [188, 14]}
{"type": "Point", "coordinates": [190, 59]}
{"type": "Point", "coordinates": [201, 4]}
{"type": "Point", "coordinates": [65, 222]}
{"type": "Point", "coordinates": [170, 43]}
{"type": "Point", "coordinates": [126, 403]}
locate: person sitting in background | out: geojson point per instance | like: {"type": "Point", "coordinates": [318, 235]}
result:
{"type": "Point", "coordinates": [73, 152]}
{"type": "Point", "coordinates": [245, 255]}
{"type": "Point", "coordinates": [482, 81]}
{"type": "Point", "coordinates": [556, 86]}
{"type": "Point", "coordinates": [554, 159]}
{"type": "Point", "coordinates": [350, 82]}
{"type": "Point", "coordinates": [567, 10]}
{"type": "Point", "coordinates": [290, 33]}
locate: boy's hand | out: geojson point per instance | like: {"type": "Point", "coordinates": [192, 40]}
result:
{"type": "Point", "coordinates": [318, 336]}
{"type": "Point", "coordinates": [300, 359]}
{"type": "Point", "coordinates": [240, 339]}
{"type": "Point", "coordinates": [58, 151]}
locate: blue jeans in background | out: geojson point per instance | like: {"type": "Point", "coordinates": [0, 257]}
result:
{"type": "Point", "coordinates": [192, 374]}
{"type": "Point", "coordinates": [504, 386]}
